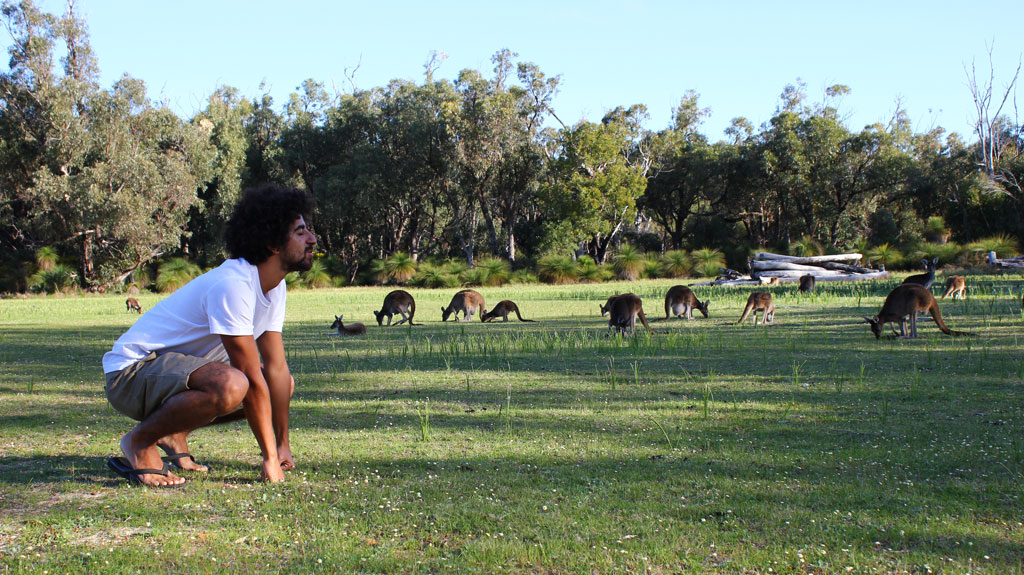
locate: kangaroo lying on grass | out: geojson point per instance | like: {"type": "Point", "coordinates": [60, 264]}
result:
{"type": "Point", "coordinates": [956, 286]}
{"type": "Point", "coordinates": [132, 304]}
{"type": "Point", "coordinates": [350, 329]}
{"type": "Point", "coordinates": [926, 279]}
{"type": "Point", "coordinates": [680, 301]}
{"type": "Point", "coordinates": [758, 301]}
{"type": "Point", "coordinates": [623, 311]}
{"type": "Point", "coordinates": [397, 302]}
{"type": "Point", "coordinates": [466, 301]}
{"type": "Point", "coordinates": [502, 310]}
{"type": "Point", "coordinates": [908, 300]}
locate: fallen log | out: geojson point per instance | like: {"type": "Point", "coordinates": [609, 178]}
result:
{"type": "Point", "coordinates": [812, 260]}
{"type": "Point", "coordinates": [765, 265]}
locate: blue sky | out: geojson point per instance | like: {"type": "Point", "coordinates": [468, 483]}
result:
{"type": "Point", "coordinates": [737, 55]}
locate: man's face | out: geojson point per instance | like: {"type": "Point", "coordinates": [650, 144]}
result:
{"type": "Point", "coordinates": [297, 254]}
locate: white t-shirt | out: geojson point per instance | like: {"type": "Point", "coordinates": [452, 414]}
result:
{"type": "Point", "coordinates": [226, 300]}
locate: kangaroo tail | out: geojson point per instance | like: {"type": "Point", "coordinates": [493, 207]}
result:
{"type": "Point", "coordinates": [643, 319]}
{"type": "Point", "coordinates": [746, 312]}
{"type": "Point", "coordinates": [516, 309]}
{"type": "Point", "coordinates": [934, 310]}
{"type": "Point", "coordinates": [412, 312]}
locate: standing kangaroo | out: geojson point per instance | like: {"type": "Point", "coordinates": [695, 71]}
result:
{"type": "Point", "coordinates": [908, 300]}
{"type": "Point", "coordinates": [502, 310]}
{"type": "Point", "coordinates": [956, 286]}
{"type": "Point", "coordinates": [681, 301]}
{"type": "Point", "coordinates": [466, 301]}
{"type": "Point", "coordinates": [607, 307]}
{"type": "Point", "coordinates": [624, 309]}
{"type": "Point", "coordinates": [132, 304]}
{"type": "Point", "coordinates": [758, 301]}
{"type": "Point", "coordinates": [807, 283]}
{"type": "Point", "coordinates": [926, 279]}
{"type": "Point", "coordinates": [397, 302]}
{"type": "Point", "coordinates": [350, 329]}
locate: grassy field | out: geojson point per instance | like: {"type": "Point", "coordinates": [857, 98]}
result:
{"type": "Point", "coordinates": [806, 446]}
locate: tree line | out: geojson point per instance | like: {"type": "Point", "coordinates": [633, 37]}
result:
{"type": "Point", "coordinates": [476, 167]}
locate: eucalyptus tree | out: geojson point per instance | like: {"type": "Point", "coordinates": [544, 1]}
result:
{"type": "Point", "coordinates": [104, 175]}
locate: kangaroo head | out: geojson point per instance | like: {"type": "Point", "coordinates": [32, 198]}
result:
{"type": "Point", "coordinates": [876, 327]}
{"type": "Point", "coordinates": [703, 307]}
{"type": "Point", "coordinates": [337, 322]}
{"type": "Point", "coordinates": [604, 309]}
{"type": "Point", "coordinates": [445, 312]}
{"type": "Point", "coordinates": [380, 317]}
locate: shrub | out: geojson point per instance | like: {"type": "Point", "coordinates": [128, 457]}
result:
{"type": "Point", "coordinates": [496, 271]}
{"type": "Point", "coordinates": [885, 255]}
{"type": "Point", "coordinates": [377, 272]}
{"type": "Point", "coordinates": [806, 247]}
{"type": "Point", "coordinates": [174, 273]}
{"type": "Point", "coordinates": [628, 263]}
{"type": "Point", "coordinates": [707, 261]}
{"type": "Point", "coordinates": [556, 269]}
{"type": "Point", "coordinates": [1004, 246]}
{"type": "Point", "coordinates": [523, 277]}
{"type": "Point", "coordinates": [46, 258]}
{"type": "Point", "coordinates": [316, 276]}
{"type": "Point", "coordinates": [58, 278]}
{"type": "Point", "coordinates": [433, 276]}
{"type": "Point", "coordinates": [676, 263]}
{"type": "Point", "coordinates": [399, 267]}
{"type": "Point", "coordinates": [588, 271]}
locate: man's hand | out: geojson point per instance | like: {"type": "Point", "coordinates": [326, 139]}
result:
{"type": "Point", "coordinates": [284, 455]}
{"type": "Point", "coordinates": [272, 472]}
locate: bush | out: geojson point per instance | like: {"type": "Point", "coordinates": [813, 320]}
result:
{"type": "Point", "coordinates": [495, 272]}
{"type": "Point", "coordinates": [433, 276]}
{"type": "Point", "coordinates": [58, 278]}
{"type": "Point", "coordinates": [806, 247]}
{"type": "Point", "coordinates": [653, 267]}
{"type": "Point", "coordinates": [377, 272]}
{"type": "Point", "coordinates": [316, 276]}
{"type": "Point", "coordinates": [676, 264]}
{"type": "Point", "coordinates": [399, 267]}
{"type": "Point", "coordinates": [628, 263]}
{"type": "Point", "coordinates": [707, 261]}
{"type": "Point", "coordinates": [556, 269]}
{"type": "Point", "coordinates": [885, 255]}
{"type": "Point", "coordinates": [588, 271]}
{"type": "Point", "coordinates": [174, 273]}
{"type": "Point", "coordinates": [1004, 246]}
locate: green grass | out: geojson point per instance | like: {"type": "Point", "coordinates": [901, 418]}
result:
{"type": "Point", "coordinates": [806, 446]}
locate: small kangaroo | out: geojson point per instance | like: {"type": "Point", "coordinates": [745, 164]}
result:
{"type": "Point", "coordinates": [397, 302]}
{"type": "Point", "coordinates": [759, 300]}
{"type": "Point", "coordinates": [502, 310]}
{"type": "Point", "coordinates": [132, 304]}
{"type": "Point", "coordinates": [681, 301]}
{"type": "Point", "coordinates": [807, 283]}
{"type": "Point", "coordinates": [607, 307]}
{"type": "Point", "coordinates": [926, 279]}
{"type": "Point", "coordinates": [956, 286]}
{"type": "Point", "coordinates": [908, 300]}
{"type": "Point", "coordinates": [466, 301]}
{"type": "Point", "coordinates": [624, 309]}
{"type": "Point", "coordinates": [350, 329]}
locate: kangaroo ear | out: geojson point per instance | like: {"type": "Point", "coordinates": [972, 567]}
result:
{"type": "Point", "coordinates": [867, 319]}
{"type": "Point", "coordinates": [935, 260]}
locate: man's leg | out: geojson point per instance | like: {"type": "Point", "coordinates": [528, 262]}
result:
{"type": "Point", "coordinates": [214, 390]}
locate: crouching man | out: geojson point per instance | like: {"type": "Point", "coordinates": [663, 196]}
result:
{"type": "Point", "coordinates": [212, 352]}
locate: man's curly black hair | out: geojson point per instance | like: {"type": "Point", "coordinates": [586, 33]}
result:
{"type": "Point", "coordinates": [262, 220]}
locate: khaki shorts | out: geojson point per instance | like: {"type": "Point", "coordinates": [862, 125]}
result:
{"type": "Point", "coordinates": [139, 389]}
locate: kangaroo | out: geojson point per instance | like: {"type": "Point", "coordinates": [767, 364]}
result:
{"type": "Point", "coordinates": [807, 283]}
{"type": "Point", "coordinates": [468, 302]}
{"type": "Point", "coordinates": [908, 300]}
{"type": "Point", "coordinates": [350, 329]}
{"type": "Point", "coordinates": [607, 307]}
{"type": "Point", "coordinates": [926, 279]}
{"type": "Point", "coordinates": [624, 309]}
{"type": "Point", "coordinates": [956, 286]}
{"type": "Point", "coordinates": [681, 301]}
{"type": "Point", "coordinates": [397, 302]}
{"type": "Point", "coordinates": [502, 310]}
{"type": "Point", "coordinates": [759, 300]}
{"type": "Point", "coordinates": [132, 304]}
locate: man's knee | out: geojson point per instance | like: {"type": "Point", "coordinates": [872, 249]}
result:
{"type": "Point", "coordinates": [226, 385]}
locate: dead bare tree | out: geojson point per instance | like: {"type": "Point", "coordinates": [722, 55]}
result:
{"type": "Point", "coordinates": [987, 125]}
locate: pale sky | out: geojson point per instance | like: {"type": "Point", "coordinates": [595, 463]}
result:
{"type": "Point", "coordinates": [738, 56]}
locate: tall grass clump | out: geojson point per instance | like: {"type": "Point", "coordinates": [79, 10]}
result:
{"type": "Point", "coordinates": [676, 264]}
{"type": "Point", "coordinates": [707, 261]}
{"type": "Point", "coordinates": [1003, 245]}
{"type": "Point", "coordinates": [555, 269]}
{"type": "Point", "coordinates": [806, 247]}
{"type": "Point", "coordinates": [174, 273]}
{"type": "Point", "coordinates": [316, 276]}
{"type": "Point", "coordinates": [46, 258]}
{"type": "Point", "coordinates": [588, 271]}
{"type": "Point", "coordinates": [433, 276]}
{"type": "Point", "coordinates": [628, 263]}
{"type": "Point", "coordinates": [886, 255]}
{"type": "Point", "coordinates": [58, 278]}
{"type": "Point", "coordinates": [377, 272]}
{"type": "Point", "coordinates": [399, 267]}
{"type": "Point", "coordinates": [496, 272]}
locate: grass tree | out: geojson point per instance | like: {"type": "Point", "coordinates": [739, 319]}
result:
{"type": "Point", "coordinates": [400, 267]}
{"type": "Point", "coordinates": [496, 271]}
{"type": "Point", "coordinates": [175, 273]}
{"type": "Point", "coordinates": [676, 263]}
{"type": "Point", "coordinates": [629, 262]}
{"type": "Point", "coordinates": [707, 261]}
{"type": "Point", "coordinates": [316, 276]}
{"type": "Point", "coordinates": [556, 269]}
{"type": "Point", "coordinates": [885, 255]}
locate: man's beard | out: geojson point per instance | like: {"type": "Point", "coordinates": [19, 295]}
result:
{"type": "Point", "coordinates": [302, 265]}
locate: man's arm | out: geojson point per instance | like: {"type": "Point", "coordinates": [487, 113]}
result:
{"type": "Point", "coordinates": [244, 356]}
{"type": "Point", "coordinates": [279, 380]}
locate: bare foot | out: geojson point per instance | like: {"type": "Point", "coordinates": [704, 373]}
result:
{"type": "Point", "coordinates": [176, 444]}
{"type": "Point", "coordinates": [148, 457]}
{"type": "Point", "coordinates": [284, 454]}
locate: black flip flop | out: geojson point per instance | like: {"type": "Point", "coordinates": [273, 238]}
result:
{"type": "Point", "coordinates": [122, 467]}
{"type": "Point", "coordinates": [174, 457]}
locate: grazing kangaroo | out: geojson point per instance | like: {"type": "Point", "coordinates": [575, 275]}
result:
{"type": "Point", "coordinates": [759, 300]}
{"type": "Point", "coordinates": [466, 301]}
{"type": "Point", "coordinates": [397, 302]}
{"type": "Point", "coordinates": [956, 286]}
{"type": "Point", "coordinates": [502, 310]}
{"type": "Point", "coordinates": [681, 301]}
{"type": "Point", "coordinates": [132, 304]}
{"type": "Point", "coordinates": [807, 283]}
{"type": "Point", "coordinates": [908, 300]}
{"type": "Point", "coordinates": [624, 309]}
{"type": "Point", "coordinates": [607, 307]}
{"type": "Point", "coordinates": [926, 279]}
{"type": "Point", "coordinates": [350, 329]}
